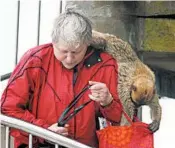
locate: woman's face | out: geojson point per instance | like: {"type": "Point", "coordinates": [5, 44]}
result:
{"type": "Point", "coordinates": [69, 56]}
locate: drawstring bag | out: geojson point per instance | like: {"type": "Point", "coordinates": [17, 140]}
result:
{"type": "Point", "coordinates": [135, 135]}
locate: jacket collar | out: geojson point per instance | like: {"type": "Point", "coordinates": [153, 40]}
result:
{"type": "Point", "coordinates": [92, 57]}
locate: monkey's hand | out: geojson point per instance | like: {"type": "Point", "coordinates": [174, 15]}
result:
{"type": "Point", "coordinates": [154, 126]}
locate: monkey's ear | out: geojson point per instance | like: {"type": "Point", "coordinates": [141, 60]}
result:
{"type": "Point", "coordinates": [133, 88]}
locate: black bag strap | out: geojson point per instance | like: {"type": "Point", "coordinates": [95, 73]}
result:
{"type": "Point", "coordinates": [65, 116]}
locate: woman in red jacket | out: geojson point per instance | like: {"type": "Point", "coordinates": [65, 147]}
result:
{"type": "Point", "coordinates": [48, 77]}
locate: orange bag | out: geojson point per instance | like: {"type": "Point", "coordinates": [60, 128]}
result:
{"type": "Point", "coordinates": [136, 135]}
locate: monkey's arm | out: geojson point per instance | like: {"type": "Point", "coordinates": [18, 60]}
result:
{"type": "Point", "coordinates": [129, 109]}
{"type": "Point", "coordinates": [156, 113]}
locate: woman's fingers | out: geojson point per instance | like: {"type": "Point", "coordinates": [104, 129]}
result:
{"type": "Point", "coordinates": [94, 98]}
{"type": "Point", "coordinates": [100, 93]}
{"type": "Point", "coordinates": [59, 130]}
{"type": "Point", "coordinates": [96, 86]}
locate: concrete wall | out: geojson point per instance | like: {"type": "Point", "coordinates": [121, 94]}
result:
{"type": "Point", "coordinates": [111, 17]}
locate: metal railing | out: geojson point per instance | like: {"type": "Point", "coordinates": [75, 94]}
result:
{"type": "Point", "coordinates": [33, 130]}
{"type": "Point", "coordinates": [5, 76]}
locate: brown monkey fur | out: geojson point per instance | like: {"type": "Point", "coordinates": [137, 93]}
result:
{"type": "Point", "coordinates": [136, 81]}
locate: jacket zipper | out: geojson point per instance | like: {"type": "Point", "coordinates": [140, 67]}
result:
{"type": "Point", "coordinates": [75, 72]}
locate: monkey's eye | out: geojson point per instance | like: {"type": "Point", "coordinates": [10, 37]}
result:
{"type": "Point", "coordinates": [145, 92]}
{"type": "Point", "coordinates": [134, 88]}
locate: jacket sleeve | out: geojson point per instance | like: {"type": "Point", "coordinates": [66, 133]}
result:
{"type": "Point", "coordinates": [113, 111]}
{"type": "Point", "coordinates": [17, 95]}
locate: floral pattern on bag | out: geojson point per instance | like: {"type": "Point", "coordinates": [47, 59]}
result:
{"type": "Point", "coordinates": [136, 135]}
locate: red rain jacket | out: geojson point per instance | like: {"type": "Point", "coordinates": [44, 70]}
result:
{"type": "Point", "coordinates": [40, 88]}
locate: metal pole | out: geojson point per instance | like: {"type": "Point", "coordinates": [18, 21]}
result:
{"type": "Point", "coordinates": [39, 22]}
{"type": "Point", "coordinates": [60, 6]}
{"type": "Point", "coordinates": [17, 31]}
{"type": "Point", "coordinates": [63, 5]}
{"type": "Point", "coordinates": [56, 146]}
{"type": "Point", "coordinates": [7, 142]}
{"type": "Point", "coordinates": [30, 140]}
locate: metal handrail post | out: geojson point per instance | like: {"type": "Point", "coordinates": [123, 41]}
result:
{"type": "Point", "coordinates": [7, 142]}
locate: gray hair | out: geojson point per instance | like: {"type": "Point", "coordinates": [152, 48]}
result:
{"type": "Point", "coordinates": [73, 28]}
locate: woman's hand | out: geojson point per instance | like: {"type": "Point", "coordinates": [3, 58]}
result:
{"type": "Point", "coordinates": [100, 93]}
{"type": "Point", "coordinates": [60, 130]}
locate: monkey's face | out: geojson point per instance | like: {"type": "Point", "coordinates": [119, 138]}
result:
{"type": "Point", "coordinates": [142, 91]}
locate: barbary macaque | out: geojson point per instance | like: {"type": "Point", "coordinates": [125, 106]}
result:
{"type": "Point", "coordinates": [136, 81]}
